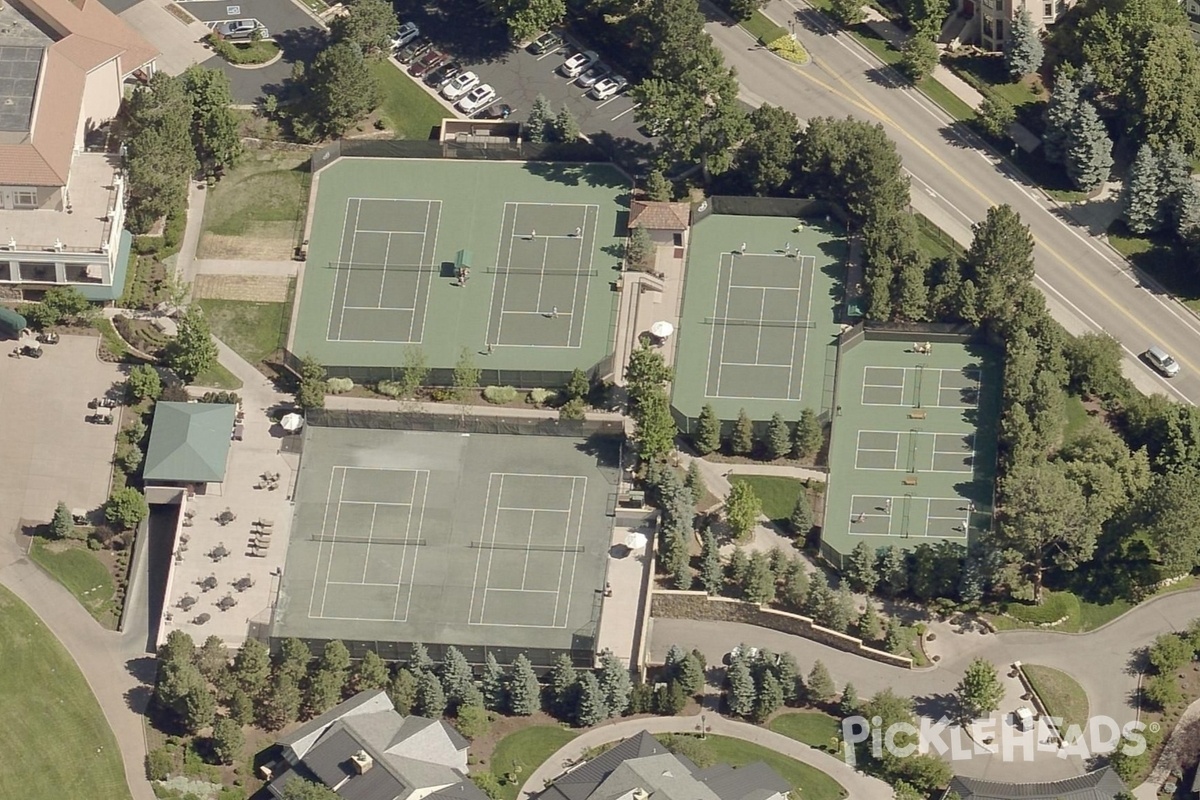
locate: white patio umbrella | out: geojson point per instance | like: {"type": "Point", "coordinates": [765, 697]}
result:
{"type": "Point", "coordinates": [662, 329]}
{"type": "Point", "coordinates": [635, 540]}
{"type": "Point", "coordinates": [292, 423]}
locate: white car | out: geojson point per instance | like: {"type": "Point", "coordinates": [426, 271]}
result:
{"type": "Point", "coordinates": [408, 31]}
{"type": "Point", "coordinates": [462, 83]}
{"type": "Point", "coordinates": [578, 63]}
{"type": "Point", "coordinates": [609, 87]}
{"type": "Point", "coordinates": [477, 98]}
{"type": "Point", "coordinates": [241, 29]}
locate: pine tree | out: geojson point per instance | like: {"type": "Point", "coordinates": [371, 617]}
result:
{"type": "Point", "coordinates": [1023, 51]}
{"type": "Point", "coordinates": [779, 437]}
{"type": "Point", "coordinates": [1089, 149]}
{"type": "Point", "coordinates": [1188, 226]}
{"type": "Point", "coordinates": [818, 603]}
{"type": "Point", "coordinates": [769, 697]}
{"type": "Point", "coordinates": [794, 589]}
{"type": "Point", "coordinates": [870, 627]}
{"type": "Point", "coordinates": [809, 436]}
{"type": "Point", "coordinates": [372, 673]}
{"type": "Point", "coordinates": [712, 576]}
{"type": "Point", "coordinates": [860, 568]}
{"type": "Point", "coordinates": [689, 674]}
{"type": "Point", "coordinates": [62, 524]}
{"type": "Point", "coordinates": [524, 691]}
{"type": "Point", "coordinates": [801, 521]}
{"type": "Point", "coordinates": [739, 565]}
{"type": "Point", "coordinates": [708, 431]}
{"type": "Point", "coordinates": [200, 708]}
{"type": "Point", "coordinates": [430, 699]}
{"type": "Point", "coordinates": [457, 676]}
{"type": "Point", "coordinates": [842, 612]}
{"type": "Point", "coordinates": [694, 481]}
{"type": "Point", "coordinates": [494, 698]}
{"type": "Point", "coordinates": [760, 580]}
{"type": "Point", "coordinates": [403, 690]}
{"type": "Point", "coordinates": [615, 684]}
{"type": "Point", "coordinates": [849, 703]}
{"type": "Point", "coordinates": [539, 120]}
{"type": "Point", "coordinates": [893, 640]}
{"type": "Point", "coordinates": [787, 670]}
{"type": "Point", "coordinates": [1060, 112]}
{"type": "Point", "coordinates": [591, 709]}
{"type": "Point", "coordinates": [741, 689]}
{"type": "Point", "coordinates": [566, 127]}
{"type": "Point", "coordinates": [658, 188]}
{"type": "Point", "coordinates": [820, 685]}
{"type": "Point", "coordinates": [742, 441]}
{"type": "Point", "coordinates": [282, 704]}
{"type": "Point", "coordinates": [252, 666]}
{"type": "Point", "coordinates": [419, 660]}
{"type": "Point", "coordinates": [847, 12]}
{"type": "Point", "coordinates": [893, 571]}
{"type": "Point", "coordinates": [1176, 169]}
{"type": "Point", "coordinates": [1143, 196]}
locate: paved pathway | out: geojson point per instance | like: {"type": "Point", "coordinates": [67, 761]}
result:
{"type": "Point", "coordinates": [860, 787]}
{"type": "Point", "coordinates": [185, 261]}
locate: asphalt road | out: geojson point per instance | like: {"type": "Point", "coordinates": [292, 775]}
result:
{"type": "Point", "coordinates": [954, 181]}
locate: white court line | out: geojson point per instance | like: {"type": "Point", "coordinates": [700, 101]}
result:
{"type": "Point", "coordinates": [574, 556]}
{"type": "Point", "coordinates": [538, 314]}
{"type": "Point", "coordinates": [792, 355]}
{"type": "Point", "coordinates": [812, 283]}
{"type": "Point", "coordinates": [360, 583]}
{"type": "Point", "coordinates": [332, 549]}
{"type": "Point", "coordinates": [337, 275]}
{"type": "Point", "coordinates": [321, 544]}
{"type": "Point", "coordinates": [712, 337]}
{"type": "Point", "coordinates": [507, 264]}
{"type": "Point", "coordinates": [536, 510]}
{"type": "Point", "coordinates": [370, 536]}
{"type": "Point", "coordinates": [479, 558]}
{"type": "Point", "coordinates": [398, 233]}
{"type": "Point", "coordinates": [427, 277]}
{"type": "Point", "coordinates": [377, 308]}
{"type": "Point", "coordinates": [523, 591]}
{"type": "Point", "coordinates": [587, 283]}
{"type": "Point", "coordinates": [762, 314]}
{"type": "Point", "coordinates": [562, 560]}
{"type": "Point", "coordinates": [724, 326]}
{"type": "Point", "coordinates": [373, 503]}
{"type": "Point", "coordinates": [416, 554]}
{"type": "Point", "coordinates": [349, 271]}
{"type": "Point", "coordinates": [756, 364]}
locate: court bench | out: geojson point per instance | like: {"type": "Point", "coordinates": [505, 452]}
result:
{"type": "Point", "coordinates": [911, 480]}
{"type": "Point", "coordinates": [917, 413]}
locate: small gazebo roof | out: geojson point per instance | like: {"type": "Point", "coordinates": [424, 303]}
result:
{"type": "Point", "coordinates": [659, 216]}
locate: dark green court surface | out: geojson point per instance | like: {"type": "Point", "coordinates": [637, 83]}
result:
{"type": "Point", "coordinates": [913, 452]}
{"type": "Point", "coordinates": [514, 261]}
{"type": "Point", "coordinates": [445, 538]}
{"type": "Point", "coordinates": [758, 323]}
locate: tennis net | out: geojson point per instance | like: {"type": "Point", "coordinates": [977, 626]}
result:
{"type": "Point", "coordinates": [538, 271]}
{"type": "Point", "coordinates": [760, 323]}
{"type": "Point", "coordinates": [363, 266]}
{"type": "Point", "coordinates": [547, 548]}
{"type": "Point", "coordinates": [317, 537]}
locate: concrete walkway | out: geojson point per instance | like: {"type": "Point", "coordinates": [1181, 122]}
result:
{"type": "Point", "coordinates": [859, 786]}
{"type": "Point", "coordinates": [185, 266]}
{"type": "Point", "coordinates": [421, 407]}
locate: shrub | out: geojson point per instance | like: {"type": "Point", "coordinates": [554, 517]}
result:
{"type": "Point", "coordinates": [339, 385]}
{"type": "Point", "coordinates": [539, 396]}
{"type": "Point", "coordinates": [500, 395]}
{"type": "Point", "coordinates": [442, 394]}
{"type": "Point", "coordinates": [390, 388]}
{"type": "Point", "coordinates": [159, 763]}
{"type": "Point", "coordinates": [573, 409]}
{"type": "Point", "coordinates": [788, 49]}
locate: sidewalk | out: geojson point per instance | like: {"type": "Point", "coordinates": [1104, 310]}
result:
{"type": "Point", "coordinates": [384, 404]}
{"type": "Point", "coordinates": [185, 261]}
{"type": "Point", "coordinates": [857, 785]}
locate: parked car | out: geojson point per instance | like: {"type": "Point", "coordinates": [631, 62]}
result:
{"type": "Point", "coordinates": [49, 337]}
{"type": "Point", "coordinates": [1162, 361]}
{"type": "Point", "coordinates": [578, 63]}
{"type": "Point", "coordinates": [430, 61]}
{"type": "Point", "coordinates": [407, 33]}
{"type": "Point", "coordinates": [33, 351]}
{"type": "Point", "coordinates": [477, 98]}
{"type": "Point", "coordinates": [444, 73]}
{"type": "Point", "coordinates": [739, 651]}
{"type": "Point", "coordinates": [413, 51]}
{"type": "Point", "coordinates": [102, 402]}
{"type": "Point", "coordinates": [241, 29]}
{"type": "Point", "coordinates": [103, 416]}
{"type": "Point", "coordinates": [462, 83]}
{"type": "Point", "coordinates": [545, 43]}
{"type": "Point", "coordinates": [609, 87]}
{"type": "Point", "coordinates": [589, 76]}
{"type": "Point", "coordinates": [496, 111]}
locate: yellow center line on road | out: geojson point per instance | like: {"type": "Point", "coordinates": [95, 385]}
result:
{"type": "Point", "coordinates": [866, 105]}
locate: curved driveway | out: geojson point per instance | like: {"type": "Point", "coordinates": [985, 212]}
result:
{"type": "Point", "coordinates": [857, 784]}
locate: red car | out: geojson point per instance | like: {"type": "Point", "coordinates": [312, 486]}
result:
{"type": "Point", "coordinates": [427, 63]}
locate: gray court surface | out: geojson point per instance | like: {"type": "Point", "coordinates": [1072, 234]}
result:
{"type": "Point", "coordinates": [446, 538]}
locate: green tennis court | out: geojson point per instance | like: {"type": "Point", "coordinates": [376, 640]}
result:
{"type": "Point", "coordinates": [758, 321]}
{"type": "Point", "coordinates": [913, 450]}
{"type": "Point", "coordinates": [514, 261]}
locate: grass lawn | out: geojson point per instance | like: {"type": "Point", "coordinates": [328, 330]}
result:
{"type": "Point", "coordinates": [1161, 257]}
{"type": "Point", "coordinates": [762, 28]}
{"type": "Point", "coordinates": [936, 243]}
{"type": "Point", "coordinates": [83, 575]}
{"type": "Point", "coordinates": [1061, 694]}
{"type": "Point", "coordinates": [256, 209]}
{"type": "Point", "coordinates": [989, 72]}
{"type": "Point", "coordinates": [1083, 615]}
{"type": "Point", "coordinates": [814, 728]}
{"type": "Point", "coordinates": [110, 341]}
{"type": "Point", "coordinates": [523, 752]}
{"type": "Point", "coordinates": [1077, 418]}
{"type": "Point", "coordinates": [253, 330]}
{"type": "Point", "coordinates": [409, 111]}
{"type": "Point", "coordinates": [812, 783]}
{"type": "Point", "coordinates": [778, 495]}
{"type": "Point", "coordinates": [55, 741]}
{"type": "Point", "coordinates": [218, 377]}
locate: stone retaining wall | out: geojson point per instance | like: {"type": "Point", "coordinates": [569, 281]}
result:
{"type": "Point", "coordinates": [674, 604]}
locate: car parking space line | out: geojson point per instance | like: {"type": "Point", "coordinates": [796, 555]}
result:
{"type": "Point", "coordinates": [547, 55]}
{"type": "Point", "coordinates": [626, 111]}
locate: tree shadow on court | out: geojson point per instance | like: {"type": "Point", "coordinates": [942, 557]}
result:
{"type": "Point", "coordinates": [605, 448]}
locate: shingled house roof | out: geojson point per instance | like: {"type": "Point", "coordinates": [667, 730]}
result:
{"type": "Point", "coordinates": [1102, 784]}
{"type": "Point", "coordinates": [659, 216]}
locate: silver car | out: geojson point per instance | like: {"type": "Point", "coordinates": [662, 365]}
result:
{"type": "Point", "coordinates": [589, 76]}
{"type": "Point", "coordinates": [241, 29]}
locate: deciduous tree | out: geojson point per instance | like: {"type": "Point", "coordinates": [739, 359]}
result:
{"type": "Point", "coordinates": [192, 351]}
{"type": "Point", "coordinates": [768, 152]}
{"type": "Point", "coordinates": [980, 691]}
{"type": "Point", "coordinates": [919, 56]}
{"type": "Point", "coordinates": [126, 507]}
{"type": "Point", "coordinates": [341, 88]}
{"type": "Point", "coordinates": [369, 24]}
{"type": "Point", "coordinates": [214, 126]}
{"type": "Point", "coordinates": [995, 115]}
{"type": "Point", "coordinates": [160, 157]}
{"type": "Point", "coordinates": [742, 507]}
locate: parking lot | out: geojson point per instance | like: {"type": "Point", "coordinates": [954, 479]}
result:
{"type": "Point", "coordinates": [298, 34]}
{"type": "Point", "coordinates": [53, 453]}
